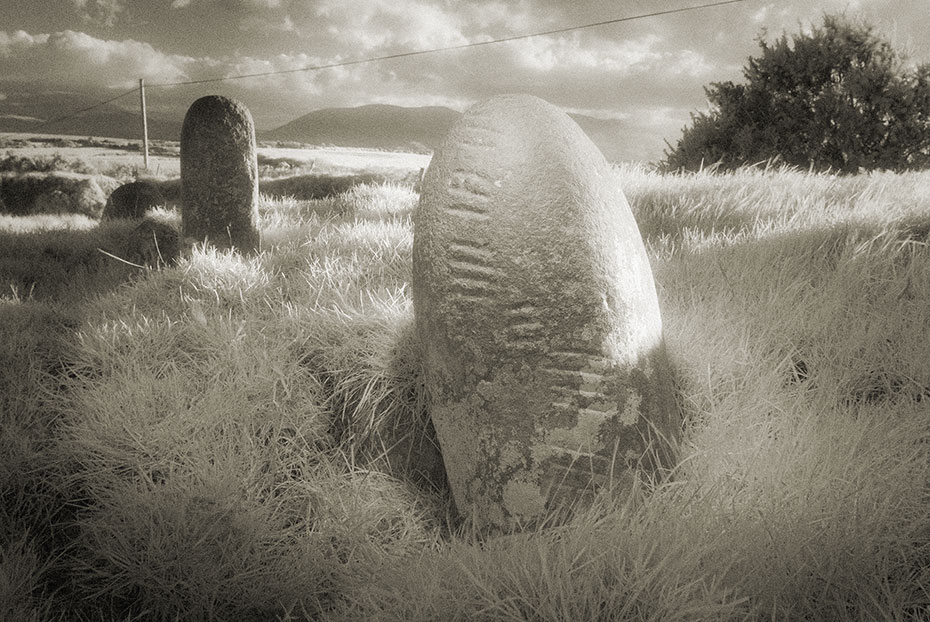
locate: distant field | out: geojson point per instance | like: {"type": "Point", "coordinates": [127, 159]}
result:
{"type": "Point", "coordinates": [246, 438]}
{"type": "Point", "coordinates": [352, 160]}
{"type": "Point", "coordinates": [109, 153]}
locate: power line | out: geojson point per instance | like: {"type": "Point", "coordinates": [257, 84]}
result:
{"type": "Point", "coordinates": [83, 110]}
{"type": "Point", "coordinates": [394, 56]}
{"type": "Point", "coordinates": [449, 48]}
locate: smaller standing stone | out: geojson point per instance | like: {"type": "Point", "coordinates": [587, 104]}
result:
{"type": "Point", "coordinates": [219, 174]}
{"type": "Point", "coordinates": [132, 200]}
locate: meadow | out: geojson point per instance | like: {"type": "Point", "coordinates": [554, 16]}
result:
{"type": "Point", "coordinates": [246, 438]}
{"type": "Point", "coordinates": [122, 156]}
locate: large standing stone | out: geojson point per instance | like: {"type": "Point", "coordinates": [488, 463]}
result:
{"type": "Point", "coordinates": [219, 174]}
{"type": "Point", "coordinates": [537, 310]}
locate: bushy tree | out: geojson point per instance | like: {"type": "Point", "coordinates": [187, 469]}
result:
{"type": "Point", "coordinates": [837, 98]}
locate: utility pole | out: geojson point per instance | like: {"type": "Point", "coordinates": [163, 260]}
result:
{"type": "Point", "coordinates": [145, 125]}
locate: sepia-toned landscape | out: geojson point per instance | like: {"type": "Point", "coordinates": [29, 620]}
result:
{"type": "Point", "coordinates": [348, 310]}
{"type": "Point", "coordinates": [245, 437]}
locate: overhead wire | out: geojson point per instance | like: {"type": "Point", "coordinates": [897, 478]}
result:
{"type": "Point", "coordinates": [87, 109]}
{"type": "Point", "coordinates": [360, 61]}
{"type": "Point", "coordinates": [449, 48]}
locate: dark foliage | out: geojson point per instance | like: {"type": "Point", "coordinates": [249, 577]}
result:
{"type": "Point", "coordinates": [310, 187]}
{"type": "Point", "coordinates": [15, 163]}
{"type": "Point", "coordinates": [838, 98]}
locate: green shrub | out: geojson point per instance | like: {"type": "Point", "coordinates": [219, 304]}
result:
{"type": "Point", "coordinates": [17, 163]}
{"type": "Point", "coordinates": [838, 98]}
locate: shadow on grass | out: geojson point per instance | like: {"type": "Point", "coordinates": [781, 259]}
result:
{"type": "Point", "coordinates": [46, 276]}
{"type": "Point", "coordinates": [65, 265]}
{"type": "Point", "coordinates": [34, 337]}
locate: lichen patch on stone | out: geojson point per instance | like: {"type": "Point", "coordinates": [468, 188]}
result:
{"type": "Point", "coordinates": [523, 498]}
{"type": "Point", "coordinates": [631, 412]}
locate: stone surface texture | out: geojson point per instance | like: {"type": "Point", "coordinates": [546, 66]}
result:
{"type": "Point", "coordinates": [537, 312]}
{"type": "Point", "coordinates": [219, 174]}
{"type": "Point", "coordinates": [132, 200]}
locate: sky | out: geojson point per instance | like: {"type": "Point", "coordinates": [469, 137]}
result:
{"type": "Point", "coordinates": [650, 73]}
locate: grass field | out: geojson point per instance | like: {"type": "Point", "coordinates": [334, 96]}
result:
{"type": "Point", "coordinates": [109, 155]}
{"type": "Point", "coordinates": [245, 438]}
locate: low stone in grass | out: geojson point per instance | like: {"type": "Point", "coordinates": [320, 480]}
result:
{"type": "Point", "coordinates": [153, 243]}
{"type": "Point", "coordinates": [219, 174]}
{"type": "Point", "coordinates": [538, 314]}
{"type": "Point", "coordinates": [132, 200]}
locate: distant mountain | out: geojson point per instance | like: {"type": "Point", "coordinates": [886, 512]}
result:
{"type": "Point", "coordinates": [381, 126]}
{"type": "Point", "coordinates": [376, 126]}
{"type": "Point", "coordinates": [106, 121]}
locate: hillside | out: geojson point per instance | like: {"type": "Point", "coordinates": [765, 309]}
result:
{"type": "Point", "coordinates": [381, 126]}
{"type": "Point", "coordinates": [111, 120]}
{"type": "Point", "coordinates": [375, 126]}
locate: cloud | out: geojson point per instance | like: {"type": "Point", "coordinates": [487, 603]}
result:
{"type": "Point", "coordinates": [259, 4]}
{"type": "Point", "coordinates": [77, 59]}
{"type": "Point", "coordinates": [264, 25]}
{"type": "Point", "coordinates": [79, 62]}
{"type": "Point", "coordinates": [591, 69]}
{"type": "Point", "coordinates": [368, 25]}
{"type": "Point", "coordinates": [606, 73]}
{"type": "Point", "coordinates": [651, 72]}
{"type": "Point", "coordinates": [227, 18]}
{"type": "Point", "coordinates": [543, 54]}
{"type": "Point", "coordinates": [229, 5]}
{"type": "Point", "coordinates": [103, 12]}
{"type": "Point", "coordinates": [760, 16]}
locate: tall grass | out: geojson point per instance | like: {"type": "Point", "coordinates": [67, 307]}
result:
{"type": "Point", "coordinates": [245, 438]}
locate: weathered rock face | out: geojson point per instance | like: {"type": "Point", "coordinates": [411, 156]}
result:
{"type": "Point", "coordinates": [132, 200]}
{"type": "Point", "coordinates": [219, 174]}
{"type": "Point", "coordinates": [537, 309]}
